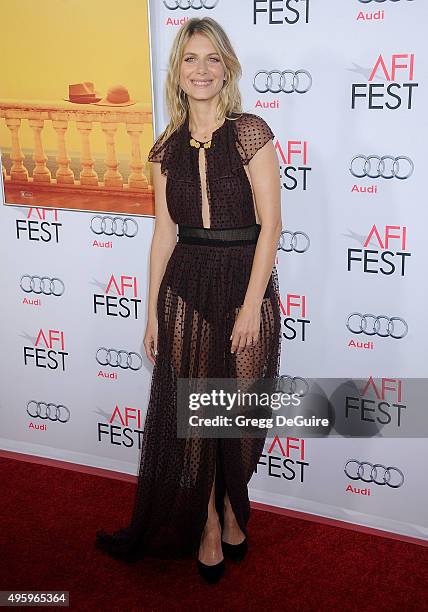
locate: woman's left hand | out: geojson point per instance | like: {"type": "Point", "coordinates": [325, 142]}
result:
{"type": "Point", "coordinates": [246, 329]}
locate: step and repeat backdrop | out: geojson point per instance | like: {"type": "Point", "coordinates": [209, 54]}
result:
{"type": "Point", "coordinates": [343, 87]}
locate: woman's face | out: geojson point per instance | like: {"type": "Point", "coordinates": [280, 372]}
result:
{"type": "Point", "coordinates": [201, 71]}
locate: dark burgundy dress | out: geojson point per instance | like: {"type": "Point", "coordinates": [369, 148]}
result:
{"type": "Point", "coordinates": [200, 294]}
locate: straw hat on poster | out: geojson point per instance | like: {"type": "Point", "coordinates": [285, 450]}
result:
{"type": "Point", "coordinates": [84, 93]}
{"type": "Point", "coordinates": [118, 95]}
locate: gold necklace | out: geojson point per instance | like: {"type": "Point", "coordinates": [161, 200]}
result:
{"type": "Point", "coordinates": [198, 144]}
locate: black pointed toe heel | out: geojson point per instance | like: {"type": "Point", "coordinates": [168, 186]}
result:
{"type": "Point", "coordinates": [211, 573]}
{"type": "Point", "coordinates": [236, 552]}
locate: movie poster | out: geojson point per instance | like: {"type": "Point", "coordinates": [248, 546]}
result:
{"type": "Point", "coordinates": [76, 105]}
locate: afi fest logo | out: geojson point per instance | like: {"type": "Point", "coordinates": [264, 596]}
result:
{"type": "Point", "coordinates": [388, 257]}
{"type": "Point", "coordinates": [120, 298]}
{"type": "Point", "coordinates": [295, 325]}
{"type": "Point", "coordinates": [48, 350]}
{"type": "Point", "coordinates": [398, 72]}
{"type": "Point", "coordinates": [123, 427]}
{"type": "Point", "coordinates": [40, 225]}
{"type": "Point", "coordinates": [379, 402]}
{"type": "Point", "coordinates": [284, 459]}
{"type": "Point", "coordinates": [294, 164]}
{"type": "Point", "coordinates": [279, 12]}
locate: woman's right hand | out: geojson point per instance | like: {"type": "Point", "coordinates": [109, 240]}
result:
{"type": "Point", "coordinates": [151, 340]}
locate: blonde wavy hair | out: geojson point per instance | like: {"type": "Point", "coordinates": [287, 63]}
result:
{"type": "Point", "coordinates": [176, 99]}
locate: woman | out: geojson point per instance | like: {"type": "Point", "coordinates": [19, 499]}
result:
{"type": "Point", "coordinates": [212, 309]}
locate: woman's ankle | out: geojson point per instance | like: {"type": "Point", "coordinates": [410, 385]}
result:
{"type": "Point", "coordinates": [229, 517]}
{"type": "Point", "coordinates": [213, 522]}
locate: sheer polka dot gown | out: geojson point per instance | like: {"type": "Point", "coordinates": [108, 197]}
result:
{"type": "Point", "coordinates": [210, 198]}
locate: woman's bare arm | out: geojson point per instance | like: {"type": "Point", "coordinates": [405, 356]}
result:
{"type": "Point", "coordinates": [163, 241]}
{"type": "Point", "coordinates": [265, 181]}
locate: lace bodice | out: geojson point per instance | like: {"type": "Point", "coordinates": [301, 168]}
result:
{"type": "Point", "coordinates": [210, 187]}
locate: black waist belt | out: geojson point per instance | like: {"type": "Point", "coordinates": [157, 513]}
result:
{"type": "Point", "coordinates": [231, 236]}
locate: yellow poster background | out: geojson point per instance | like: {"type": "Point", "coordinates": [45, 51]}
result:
{"type": "Point", "coordinates": [46, 46]}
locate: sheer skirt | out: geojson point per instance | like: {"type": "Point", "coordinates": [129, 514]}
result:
{"type": "Point", "coordinates": [199, 298]}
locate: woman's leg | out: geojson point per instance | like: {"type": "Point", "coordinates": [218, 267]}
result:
{"type": "Point", "coordinates": [210, 551]}
{"type": "Point", "coordinates": [255, 362]}
{"type": "Point", "coordinates": [232, 534]}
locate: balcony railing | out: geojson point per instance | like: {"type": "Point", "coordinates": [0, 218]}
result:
{"type": "Point", "coordinates": [136, 119]}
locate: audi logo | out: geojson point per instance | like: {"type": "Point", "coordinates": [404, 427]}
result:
{"type": "Point", "coordinates": [188, 4]}
{"type": "Point", "coordinates": [114, 226]}
{"type": "Point", "coordinates": [387, 167]}
{"type": "Point", "coordinates": [289, 241]}
{"type": "Point", "coordinates": [292, 384]}
{"type": "Point", "coordinates": [42, 284]}
{"type": "Point", "coordinates": [119, 359]}
{"type": "Point", "coordinates": [367, 1]}
{"type": "Point", "coordinates": [43, 410]}
{"type": "Point", "coordinates": [376, 472]}
{"type": "Point", "coordinates": [361, 325]}
{"type": "Point", "coordinates": [286, 81]}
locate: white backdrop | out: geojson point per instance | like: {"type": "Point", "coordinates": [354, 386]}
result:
{"type": "Point", "coordinates": [377, 50]}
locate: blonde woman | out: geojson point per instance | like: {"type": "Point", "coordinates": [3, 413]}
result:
{"type": "Point", "coordinates": [213, 307]}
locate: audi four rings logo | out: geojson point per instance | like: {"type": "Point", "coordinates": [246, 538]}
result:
{"type": "Point", "coordinates": [374, 472]}
{"type": "Point", "coordinates": [119, 359]}
{"type": "Point", "coordinates": [188, 4]}
{"type": "Point", "coordinates": [361, 324]}
{"type": "Point", "coordinates": [367, 1]}
{"type": "Point", "coordinates": [42, 284]}
{"type": "Point", "coordinates": [387, 166]}
{"type": "Point", "coordinates": [286, 81]}
{"type": "Point", "coordinates": [293, 384]}
{"type": "Point", "coordinates": [52, 412]}
{"type": "Point", "coordinates": [289, 241]}
{"type": "Point", "coordinates": [114, 226]}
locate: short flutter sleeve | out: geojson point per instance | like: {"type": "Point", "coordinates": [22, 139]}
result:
{"type": "Point", "coordinates": [252, 134]}
{"type": "Point", "coordinates": [156, 153]}
{"type": "Point", "coordinates": [159, 154]}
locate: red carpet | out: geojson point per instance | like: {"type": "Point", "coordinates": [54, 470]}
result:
{"type": "Point", "coordinates": [48, 523]}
